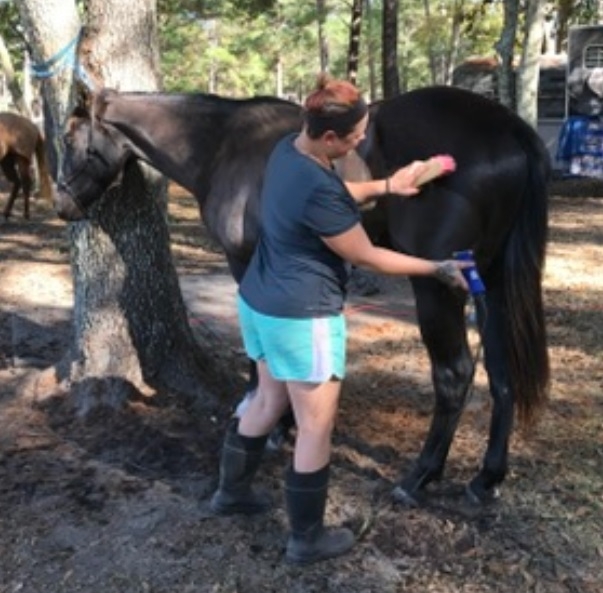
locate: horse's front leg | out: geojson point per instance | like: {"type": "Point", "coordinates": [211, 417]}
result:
{"type": "Point", "coordinates": [483, 487]}
{"type": "Point", "coordinates": [441, 319]}
{"type": "Point", "coordinates": [27, 184]}
{"type": "Point", "coordinates": [237, 268]}
{"type": "Point", "coordinates": [281, 432]}
{"type": "Point", "coordinates": [10, 172]}
{"type": "Point", "coordinates": [11, 200]}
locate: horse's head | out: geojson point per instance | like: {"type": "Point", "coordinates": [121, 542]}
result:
{"type": "Point", "coordinates": [93, 158]}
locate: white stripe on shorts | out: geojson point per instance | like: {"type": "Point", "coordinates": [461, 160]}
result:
{"type": "Point", "coordinates": [322, 356]}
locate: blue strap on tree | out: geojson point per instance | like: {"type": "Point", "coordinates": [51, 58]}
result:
{"type": "Point", "coordinates": [65, 58]}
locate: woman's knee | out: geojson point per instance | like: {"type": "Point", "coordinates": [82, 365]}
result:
{"type": "Point", "coordinates": [315, 406]}
{"type": "Point", "coordinates": [271, 404]}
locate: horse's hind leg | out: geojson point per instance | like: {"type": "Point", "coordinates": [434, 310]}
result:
{"type": "Point", "coordinates": [24, 167]}
{"type": "Point", "coordinates": [10, 172]}
{"type": "Point", "coordinates": [281, 432]}
{"type": "Point", "coordinates": [442, 325]}
{"type": "Point", "coordinates": [483, 487]}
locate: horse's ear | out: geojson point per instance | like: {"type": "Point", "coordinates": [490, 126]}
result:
{"type": "Point", "coordinates": [82, 106]}
{"type": "Point", "coordinates": [80, 111]}
{"type": "Point", "coordinates": [100, 103]}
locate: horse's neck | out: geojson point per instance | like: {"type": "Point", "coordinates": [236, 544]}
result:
{"type": "Point", "coordinates": [176, 135]}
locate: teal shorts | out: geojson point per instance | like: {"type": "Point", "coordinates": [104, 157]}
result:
{"type": "Point", "coordinates": [312, 350]}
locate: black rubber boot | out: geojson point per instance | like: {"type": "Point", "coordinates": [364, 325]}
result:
{"type": "Point", "coordinates": [310, 541]}
{"type": "Point", "coordinates": [241, 457]}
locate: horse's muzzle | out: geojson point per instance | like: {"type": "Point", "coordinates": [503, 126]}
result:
{"type": "Point", "coordinates": [65, 206]}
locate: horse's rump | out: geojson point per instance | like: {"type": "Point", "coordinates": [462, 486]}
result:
{"type": "Point", "coordinates": [496, 204]}
{"type": "Point", "coordinates": [22, 139]}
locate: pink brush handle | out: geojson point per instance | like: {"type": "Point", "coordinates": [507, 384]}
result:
{"type": "Point", "coordinates": [438, 165]}
{"type": "Point", "coordinates": [447, 163]}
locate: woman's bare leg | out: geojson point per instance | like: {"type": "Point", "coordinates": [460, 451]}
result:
{"type": "Point", "coordinates": [266, 407]}
{"type": "Point", "coordinates": [315, 408]}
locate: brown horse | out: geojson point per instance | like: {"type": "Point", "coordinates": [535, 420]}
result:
{"type": "Point", "coordinates": [20, 141]}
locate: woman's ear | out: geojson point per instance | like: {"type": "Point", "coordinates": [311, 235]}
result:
{"type": "Point", "coordinates": [329, 136]}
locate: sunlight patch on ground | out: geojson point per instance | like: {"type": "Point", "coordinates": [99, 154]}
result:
{"type": "Point", "coordinates": [564, 271]}
{"type": "Point", "coordinates": [22, 284]}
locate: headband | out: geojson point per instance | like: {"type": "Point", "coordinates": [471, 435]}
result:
{"type": "Point", "coordinates": [337, 117]}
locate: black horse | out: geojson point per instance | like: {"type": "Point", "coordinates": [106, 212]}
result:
{"type": "Point", "coordinates": [495, 203]}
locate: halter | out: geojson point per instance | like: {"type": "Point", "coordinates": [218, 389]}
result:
{"type": "Point", "coordinates": [92, 155]}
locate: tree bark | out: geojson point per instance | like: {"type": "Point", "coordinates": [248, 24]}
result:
{"type": "Point", "coordinates": [564, 13]}
{"type": "Point", "coordinates": [323, 44]}
{"type": "Point", "coordinates": [506, 48]}
{"type": "Point", "coordinates": [430, 50]}
{"type": "Point", "coordinates": [354, 45]}
{"type": "Point", "coordinates": [391, 79]}
{"type": "Point", "coordinates": [372, 48]}
{"type": "Point", "coordinates": [50, 26]}
{"type": "Point", "coordinates": [458, 10]}
{"type": "Point", "coordinates": [131, 333]}
{"type": "Point", "coordinates": [529, 69]}
{"type": "Point", "coordinates": [6, 65]}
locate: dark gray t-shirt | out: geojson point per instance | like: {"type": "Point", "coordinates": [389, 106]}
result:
{"type": "Point", "coordinates": [292, 272]}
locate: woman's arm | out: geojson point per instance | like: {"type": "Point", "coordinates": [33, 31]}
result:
{"type": "Point", "coordinates": [406, 181]}
{"type": "Point", "coordinates": [355, 247]}
{"type": "Point", "coordinates": [401, 182]}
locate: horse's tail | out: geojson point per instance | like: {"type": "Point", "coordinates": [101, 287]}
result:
{"type": "Point", "coordinates": [523, 263]}
{"type": "Point", "coordinates": [43, 170]}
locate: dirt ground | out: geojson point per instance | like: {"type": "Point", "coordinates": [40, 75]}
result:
{"type": "Point", "coordinates": [116, 503]}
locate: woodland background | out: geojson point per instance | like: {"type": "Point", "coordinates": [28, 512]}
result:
{"type": "Point", "coordinates": [276, 47]}
{"type": "Point", "coordinates": [101, 473]}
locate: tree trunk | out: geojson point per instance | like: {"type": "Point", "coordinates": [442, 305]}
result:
{"type": "Point", "coordinates": [323, 44]}
{"type": "Point", "coordinates": [131, 328]}
{"type": "Point", "coordinates": [391, 80]}
{"type": "Point", "coordinates": [50, 26]}
{"type": "Point", "coordinates": [564, 13]}
{"type": "Point", "coordinates": [505, 48]}
{"type": "Point", "coordinates": [430, 50]}
{"type": "Point", "coordinates": [6, 66]}
{"type": "Point", "coordinates": [354, 46]}
{"type": "Point", "coordinates": [130, 324]}
{"type": "Point", "coordinates": [529, 70]}
{"type": "Point", "coordinates": [458, 8]}
{"type": "Point", "coordinates": [372, 52]}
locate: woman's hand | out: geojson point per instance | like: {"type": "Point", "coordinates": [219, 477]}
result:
{"type": "Point", "coordinates": [404, 180]}
{"type": "Point", "coordinates": [407, 180]}
{"type": "Point", "coordinates": [449, 272]}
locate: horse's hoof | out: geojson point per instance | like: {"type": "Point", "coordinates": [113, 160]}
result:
{"type": "Point", "coordinates": [480, 496]}
{"type": "Point", "coordinates": [276, 441]}
{"type": "Point", "coordinates": [404, 497]}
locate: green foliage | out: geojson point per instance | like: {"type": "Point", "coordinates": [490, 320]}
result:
{"type": "Point", "coordinates": [203, 9]}
{"type": "Point", "coordinates": [238, 55]}
{"type": "Point", "coordinates": [12, 32]}
{"type": "Point", "coordinates": [585, 12]}
{"type": "Point", "coordinates": [236, 47]}
{"type": "Point", "coordinates": [233, 47]}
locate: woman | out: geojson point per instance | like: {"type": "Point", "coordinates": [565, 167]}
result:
{"type": "Point", "coordinates": [290, 309]}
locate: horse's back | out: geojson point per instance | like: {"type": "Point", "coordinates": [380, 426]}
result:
{"type": "Point", "coordinates": [477, 205]}
{"type": "Point", "coordinates": [446, 118]}
{"type": "Point", "coordinates": [231, 208]}
{"type": "Point", "coordinates": [18, 134]}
